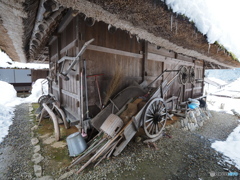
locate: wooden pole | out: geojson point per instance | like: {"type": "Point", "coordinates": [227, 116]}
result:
{"type": "Point", "coordinates": [144, 62]}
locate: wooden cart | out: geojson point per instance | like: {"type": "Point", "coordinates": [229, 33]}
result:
{"type": "Point", "coordinates": [114, 134]}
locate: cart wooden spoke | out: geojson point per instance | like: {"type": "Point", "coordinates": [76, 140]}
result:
{"type": "Point", "coordinates": [155, 117]}
{"type": "Point", "coordinates": [183, 75]}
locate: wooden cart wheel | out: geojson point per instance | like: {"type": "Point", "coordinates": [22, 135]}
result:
{"type": "Point", "coordinates": [43, 99]}
{"type": "Point", "coordinates": [155, 117]}
{"type": "Point", "coordinates": [191, 75]}
{"type": "Point", "coordinates": [183, 75]}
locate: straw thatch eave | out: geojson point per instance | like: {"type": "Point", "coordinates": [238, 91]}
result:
{"type": "Point", "coordinates": [146, 19]}
{"type": "Point", "coordinates": [151, 20]}
{"type": "Point", "coordinates": [17, 20]}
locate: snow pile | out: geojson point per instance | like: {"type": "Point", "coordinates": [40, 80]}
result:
{"type": "Point", "coordinates": [39, 88]}
{"type": "Point", "coordinates": [218, 81]}
{"type": "Point", "coordinates": [227, 75]}
{"type": "Point", "coordinates": [6, 116]}
{"type": "Point", "coordinates": [234, 86]}
{"type": "Point", "coordinates": [230, 147]}
{"type": "Point", "coordinates": [8, 96]}
{"type": "Point", "coordinates": [223, 104]}
{"type": "Point", "coordinates": [6, 62]}
{"type": "Point", "coordinates": [9, 99]}
{"type": "Point", "coordinates": [214, 18]}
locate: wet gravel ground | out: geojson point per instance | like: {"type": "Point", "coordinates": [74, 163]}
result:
{"type": "Point", "coordinates": [180, 154]}
{"type": "Point", "coordinates": [16, 150]}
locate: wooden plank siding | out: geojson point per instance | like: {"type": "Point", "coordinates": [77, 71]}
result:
{"type": "Point", "coordinates": [106, 54]}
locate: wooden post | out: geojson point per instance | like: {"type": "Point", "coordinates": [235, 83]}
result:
{"type": "Point", "coordinates": [50, 73]}
{"type": "Point", "coordinates": [58, 68]}
{"type": "Point", "coordinates": [144, 62]}
{"type": "Point", "coordinates": [184, 92]}
{"type": "Point", "coordinates": [78, 44]}
{"type": "Point", "coordinates": [192, 94]}
{"type": "Point", "coordinates": [203, 75]}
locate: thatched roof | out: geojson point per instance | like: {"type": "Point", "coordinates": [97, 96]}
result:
{"type": "Point", "coordinates": [17, 19]}
{"type": "Point", "coordinates": [150, 20]}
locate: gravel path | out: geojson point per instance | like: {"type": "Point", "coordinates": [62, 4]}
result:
{"type": "Point", "coordinates": [180, 155]}
{"type": "Point", "coordinates": [16, 149]}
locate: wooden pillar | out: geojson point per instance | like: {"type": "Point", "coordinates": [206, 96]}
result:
{"type": "Point", "coordinates": [203, 76]}
{"type": "Point", "coordinates": [78, 83]}
{"type": "Point", "coordinates": [192, 94]}
{"type": "Point", "coordinates": [50, 90]}
{"type": "Point", "coordinates": [144, 62]}
{"type": "Point", "coordinates": [58, 68]}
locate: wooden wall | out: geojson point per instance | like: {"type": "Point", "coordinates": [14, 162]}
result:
{"type": "Point", "coordinates": [36, 74]}
{"type": "Point", "coordinates": [108, 53]}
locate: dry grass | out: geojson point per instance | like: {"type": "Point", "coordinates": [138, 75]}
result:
{"type": "Point", "coordinates": [114, 84]}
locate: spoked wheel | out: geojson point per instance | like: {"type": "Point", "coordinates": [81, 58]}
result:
{"type": "Point", "coordinates": [43, 99]}
{"type": "Point", "coordinates": [191, 75]}
{"type": "Point", "coordinates": [183, 75]}
{"type": "Point", "coordinates": [155, 117]}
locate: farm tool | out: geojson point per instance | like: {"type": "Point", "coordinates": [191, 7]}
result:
{"type": "Point", "coordinates": [137, 106]}
{"type": "Point", "coordinates": [64, 74]}
{"type": "Point", "coordinates": [51, 107]}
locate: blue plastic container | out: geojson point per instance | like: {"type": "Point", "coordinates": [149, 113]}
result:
{"type": "Point", "coordinates": [192, 106]}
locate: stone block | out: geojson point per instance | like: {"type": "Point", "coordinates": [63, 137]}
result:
{"type": "Point", "coordinates": [37, 170]}
{"type": "Point", "coordinates": [49, 140]}
{"type": "Point", "coordinates": [36, 148]}
{"type": "Point", "coordinates": [37, 158]}
{"type": "Point", "coordinates": [34, 141]}
{"type": "Point", "coordinates": [45, 178]}
{"type": "Point", "coordinates": [66, 175]}
{"type": "Point", "coordinates": [34, 127]}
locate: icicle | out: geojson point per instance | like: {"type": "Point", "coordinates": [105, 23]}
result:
{"type": "Point", "coordinates": [209, 45]}
{"type": "Point", "coordinates": [171, 21]}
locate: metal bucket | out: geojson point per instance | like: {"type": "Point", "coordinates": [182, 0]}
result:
{"type": "Point", "coordinates": [76, 144]}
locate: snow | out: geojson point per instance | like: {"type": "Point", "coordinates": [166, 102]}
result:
{"type": "Point", "coordinates": [39, 88]}
{"type": "Point", "coordinates": [9, 100]}
{"type": "Point", "coordinates": [230, 147]}
{"type": "Point", "coordinates": [217, 19]}
{"type": "Point", "coordinates": [6, 62]}
{"type": "Point", "coordinates": [8, 94]}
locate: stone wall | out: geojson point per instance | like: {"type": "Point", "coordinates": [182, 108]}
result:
{"type": "Point", "coordinates": [193, 120]}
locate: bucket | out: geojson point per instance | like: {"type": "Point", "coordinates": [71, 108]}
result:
{"type": "Point", "coordinates": [76, 144]}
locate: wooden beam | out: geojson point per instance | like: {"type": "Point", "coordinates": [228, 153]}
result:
{"type": "Point", "coordinates": [184, 92]}
{"type": "Point", "coordinates": [145, 57]}
{"type": "Point", "coordinates": [72, 95]}
{"type": "Point", "coordinates": [69, 46]}
{"type": "Point", "coordinates": [52, 39]}
{"type": "Point", "coordinates": [160, 58]}
{"type": "Point", "coordinates": [54, 56]}
{"type": "Point", "coordinates": [114, 51]}
{"type": "Point", "coordinates": [192, 94]}
{"type": "Point", "coordinates": [203, 76]}
{"type": "Point", "coordinates": [66, 20]}
{"type": "Point", "coordinates": [75, 96]}
{"type": "Point", "coordinates": [195, 88]}
{"type": "Point", "coordinates": [58, 68]}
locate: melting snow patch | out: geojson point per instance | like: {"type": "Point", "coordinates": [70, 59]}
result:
{"type": "Point", "coordinates": [230, 147]}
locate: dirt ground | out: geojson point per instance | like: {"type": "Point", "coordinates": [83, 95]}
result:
{"type": "Point", "coordinates": [180, 154]}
